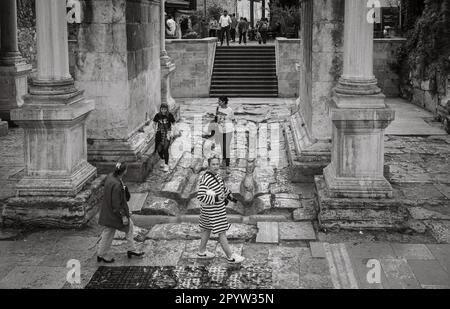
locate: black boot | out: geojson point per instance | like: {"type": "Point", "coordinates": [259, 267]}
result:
{"type": "Point", "coordinates": [100, 259]}
{"type": "Point", "coordinates": [130, 254]}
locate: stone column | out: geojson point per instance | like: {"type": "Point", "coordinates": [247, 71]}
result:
{"type": "Point", "coordinates": [167, 69]}
{"type": "Point", "coordinates": [359, 116]}
{"type": "Point", "coordinates": [53, 116]}
{"type": "Point", "coordinates": [263, 8]}
{"type": "Point", "coordinates": [13, 69]}
{"type": "Point", "coordinates": [252, 13]}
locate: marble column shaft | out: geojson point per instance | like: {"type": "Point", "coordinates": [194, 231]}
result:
{"type": "Point", "coordinates": [358, 77]}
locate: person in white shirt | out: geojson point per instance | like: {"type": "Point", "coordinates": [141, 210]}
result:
{"type": "Point", "coordinates": [223, 129]}
{"type": "Point", "coordinates": [225, 27]}
{"type": "Point", "coordinates": [171, 26]}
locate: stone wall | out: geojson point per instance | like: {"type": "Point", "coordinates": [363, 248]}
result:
{"type": "Point", "coordinates": [384, 60]}
{"type": "Point", "coordinates": [194, 60]}
{"type": "Point", "coordinates": [288, 56]}
{"type": "Point", "coordinates": [118, 64]}
{"type": "Point", "coordinates": [144, 52]}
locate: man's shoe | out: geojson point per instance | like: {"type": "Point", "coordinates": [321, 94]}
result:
{"type": "Point", "coordinates": [130, 254]}
{"type": "Point", "coordinates": [206, 255]}
{"type": "Point", "coordinates": [166, 168]}
{"type": "Point", "coordinates": [236, 259]}
{"type": "Point", "coordinates": [100, 260]}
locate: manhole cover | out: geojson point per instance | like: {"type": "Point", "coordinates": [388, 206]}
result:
{"type": "Point", "coordinates": [181, 277]}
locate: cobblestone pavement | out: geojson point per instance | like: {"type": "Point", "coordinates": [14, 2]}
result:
{"type": "Point", "coordinates": [297, 255]}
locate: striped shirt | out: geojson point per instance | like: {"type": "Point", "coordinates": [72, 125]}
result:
{"type": "Point", "coordinates": [213, 215]}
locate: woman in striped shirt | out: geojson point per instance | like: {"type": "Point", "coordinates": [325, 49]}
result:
{"type": "Point", "coordinates": [214, 196]}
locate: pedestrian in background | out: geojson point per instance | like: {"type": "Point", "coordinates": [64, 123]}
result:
{"type": "Point", "coordinates": [243, 29]}
{"type": "Point", "coordinates": [263, 29]}
{"type": "Point", "coordinates": [213, 28]}
{"type": "Point", "coordinates": [115, 215]}
{"type": "Point", "coordinates": [223, 130]}
{"type": "Point", "coordinates": [163, 124]}
{"type": "Point", "coordinates": [214, 196]}
{"type": "Point", "coordinates": [234, 23]}
{"type": "Point", "coordinates": [225, 27]}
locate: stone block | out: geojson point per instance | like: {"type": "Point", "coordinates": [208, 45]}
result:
{"type": "Point", "coordinates": [359, 214]}
{"type": "Point", "coordinates": [296, 231]}
{"type": "Point", "coordinates": [429, 273]}
{"type": "Point", "coordinates": [157, 206]}
{"type": "Point", "coordinates": [412, 252]}
{"type": "Point", "coordinates": [56, 212]}
{"type": "Point", "coordinates": [267, 233]}
{"type": "Point", "coordinates": [398, 275]}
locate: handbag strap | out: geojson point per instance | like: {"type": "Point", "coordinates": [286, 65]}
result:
{"type": "Point", "coordinates": [217, 180]}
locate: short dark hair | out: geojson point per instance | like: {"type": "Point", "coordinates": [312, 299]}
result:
{"type": "Point", "coordinates": [214, 157]}
{"type": "Point", "coordinates": [224, 99]}
{"type": "Point", "coordinates": [225, 11]}
{"type": "Point", "coordinates": [120, 168]}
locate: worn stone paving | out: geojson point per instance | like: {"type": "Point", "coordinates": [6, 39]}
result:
{"type": "Point", "coordinates": [296, 255]}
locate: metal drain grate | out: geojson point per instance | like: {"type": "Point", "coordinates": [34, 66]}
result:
{"type": "Point", "coordinates": [181, 277]}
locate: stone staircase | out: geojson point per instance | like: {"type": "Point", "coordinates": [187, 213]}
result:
{"type": "Point", "coordinates": [244, 72]}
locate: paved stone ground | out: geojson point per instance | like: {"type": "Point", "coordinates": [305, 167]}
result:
{"type": "Point", "coordinates": [297, 256]}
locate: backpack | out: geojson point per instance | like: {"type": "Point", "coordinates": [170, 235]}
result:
{"type": "Point", "coordinates": [264, 27]}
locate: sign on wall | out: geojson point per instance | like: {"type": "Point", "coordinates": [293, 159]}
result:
{"type": "Point", "coordinates": [73, 12]}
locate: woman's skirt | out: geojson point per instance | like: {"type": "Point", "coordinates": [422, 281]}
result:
{"type": "Point", "coordinates": [214, 218]}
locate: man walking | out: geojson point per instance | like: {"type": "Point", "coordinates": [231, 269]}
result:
{"type": "Point", "coordinates": [225, 26]}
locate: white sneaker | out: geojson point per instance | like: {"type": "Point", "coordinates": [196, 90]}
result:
{"type": "Point", "coordinates": [162, 164]}
{"type": "Point", "coordinates": [166, 168]}
{"type": "Point", "coordinates": [206, 255]}
{"type": "Point", "coordinates": [236, 259]}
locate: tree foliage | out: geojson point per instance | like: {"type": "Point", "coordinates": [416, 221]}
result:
{"type": "Point", "coordinates": [426, 55]}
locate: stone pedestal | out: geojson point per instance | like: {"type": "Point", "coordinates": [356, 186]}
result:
{"type": "Point", "coordinates": [13, 86]}
{"type": "Point", "coordinates": [56, 188]}
{"type": "Point", "coordinates": [55, 144]}
{"type": "Point", "coordinates": [357, 166]}
{"type": "Point", "coordinates": [167, 70]}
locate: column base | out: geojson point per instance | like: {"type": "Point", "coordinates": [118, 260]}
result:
{"type": "Point", "coordinates": [348, 187]}
{"type": "Point", "coordinates": [62, 186]}
{"type": "Point", "coordinates": [55, 212]}
{"type": "Point", "coordinates": [55, 145]}
{"type": "Point", "coordinates": [138, 152]}
{"type": "Point", "coordinates": [358, 214]}
{"type": "Point", "coordinates": [13, 86]}
{"type": "Point", "coordinates": [3, 128]}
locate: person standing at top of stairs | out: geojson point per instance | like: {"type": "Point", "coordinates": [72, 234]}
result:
{"type": "Point", "coordinates": [225, 27]}
{"type": "Point", "coordinates": [234, 23]}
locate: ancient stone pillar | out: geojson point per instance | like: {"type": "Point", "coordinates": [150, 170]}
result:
{"type": "Point", "coordinates": [13, 68]}
{"type": "Point", "coordinates": [53, 118]}
{"type": "Point", "coordinates": [359, 116]}
{"type": "Point", "coordinates": [167, 69]}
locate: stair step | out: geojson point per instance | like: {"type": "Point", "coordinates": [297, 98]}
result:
{"type": "Point", "coordinates": [243, 77]}
{"type": "Point", "coordinates": [246, 65]}
{"type": "Point", "coordinates": [247, 83]}
{"type": "Point", "coordinates": [245, 87]}
{"type": "Point", "coordinates": [249, 71]}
